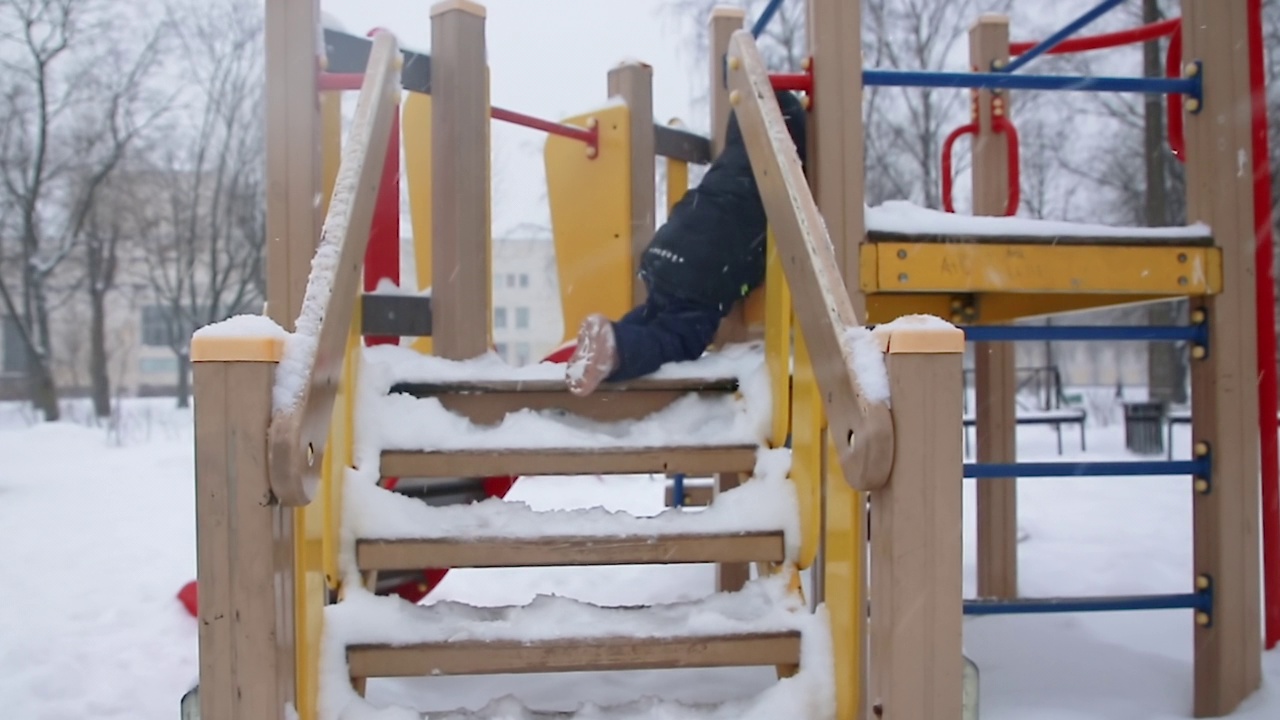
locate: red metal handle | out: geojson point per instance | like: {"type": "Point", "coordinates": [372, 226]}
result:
{"type": "Point", "coordinates": [1173, 101]}
{"type": "Point", "coordinates": [970, 129]}
{"type": "Point", "coordinates": [999, 124]}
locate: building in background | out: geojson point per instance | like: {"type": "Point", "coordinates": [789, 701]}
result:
{"type": "Point", "coordinates": [527, 319]}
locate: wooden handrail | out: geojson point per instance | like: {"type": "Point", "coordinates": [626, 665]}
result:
{"type": "Point", "coordinates": [861, 427]}
{"type": "Point", "coordinates": [307, 383]}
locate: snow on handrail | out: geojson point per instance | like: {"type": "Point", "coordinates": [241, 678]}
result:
{"type": "Point", "coordinates": [310, 370]}
{"type": "Point", "coordinates": [850, 373]}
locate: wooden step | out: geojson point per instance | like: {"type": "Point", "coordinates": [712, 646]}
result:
{"type": "Point", "coordinates": [486, 402]}
{"type": "Point", "coordinates": [479, 657]}
{"type": "Point", "coordinates": [379, 554]}
{"type": "Point", "coordinates": [759, 625]}
{"type": "Point", "coordinates": [690, 460]}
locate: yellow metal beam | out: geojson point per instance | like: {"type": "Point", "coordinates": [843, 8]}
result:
{"type": "Point", "coordinates": [916, 267]}
{"type": "Point", "coordinates": [969, 309]}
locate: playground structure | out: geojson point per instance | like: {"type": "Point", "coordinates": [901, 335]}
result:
{"type": "Point", "coordinates": [303, 427]}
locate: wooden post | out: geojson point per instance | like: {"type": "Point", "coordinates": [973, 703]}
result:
{"type": "Point", "coordinates": [724, 22]}
{"type": "Point", "coordinates": [633, 82]}
{"type": "Point", "coordinates": [994, 362]}
{"type": "Point", "coordinates": [1224, 394]}
{"type": "Point", "coordinates": [916, 661]}
{"type": "Point", "coordinates": [244, 538]}
{"type": "Point", "coordinates": [730, 577]}
{"type": "Point", "coordinates": [293, 147]}
{"type": "Point", "coordinates": [836, 151]}
{"type": "Point", "coordinates": [460, 223]}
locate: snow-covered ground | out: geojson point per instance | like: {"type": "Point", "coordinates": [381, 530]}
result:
{"type": "Point", "coordinates": [97, 532]}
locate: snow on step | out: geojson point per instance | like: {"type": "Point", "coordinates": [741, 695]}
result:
{"type": "Point", "coordinates": [401, 422]}
{"type": "Point", "coordinates": [765, 503]}
{"type": "Point", "coordinates": [763, 607]}
{"type": "Point", "coordinates": [902, 217]}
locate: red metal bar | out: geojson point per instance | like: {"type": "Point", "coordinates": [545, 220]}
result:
{"type": "Point", "coordinates": [1266, 323]}
{"type": "Point", "coordinates": [947, 147]}
{"type": "Point", "coordinates": [794, 82]}
{"type": "Point", "coordinates": [334, 82]}
{"type": "Point", "coordinates": [590, 136]}
{"type": "Point", "coordinates": [1146, 33]}
{"type": "Point", "coordinates": [1173, 102]}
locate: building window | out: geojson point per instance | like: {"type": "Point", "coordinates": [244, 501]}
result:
{"type": "Point", "coordinates": [158, 365]}
{"type": "Point", "coordinates": [524, 280]}
{"type": "Point", "coordinates": [511, 279]}
{"type": "Point", "coordinates": [522, 317]}
{"type": "Point", "coordinates": [156, 328]}
{"type": "Point", "coordinates": [501, 349]}
{"type": "Point", "coordinates": [522, 353]}
{"type": "Point", "coordinates": [499, 318]}
{"type": "Point", "coordinates": [15, 350]}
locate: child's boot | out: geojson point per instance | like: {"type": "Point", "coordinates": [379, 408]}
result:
{"type": "Point", "coordinates": [595, 357]}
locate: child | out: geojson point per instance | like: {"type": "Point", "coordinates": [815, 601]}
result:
{"type": "Point", "coordinates": [707, 256]}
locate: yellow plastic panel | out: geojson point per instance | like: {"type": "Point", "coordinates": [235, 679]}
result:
{"type": "Point", "coordinates": [1079, 269]}
{"type": "Point", "coordinates": [806, 450]}
{"type": "Point", "coordinates": [415, 131]}
{"type": "Point", "coordinates": [340, 448]}
{"type": "Point", "coordinates": [309, 599]}
{"type": "Point", "coordinates": [677, 181]}
{"type": "Point", "coordinates": [591, 217]}
{"type": "Point", "coordinates": [845, 584]}
{"type": "Point", "coordinates": [777, 343]}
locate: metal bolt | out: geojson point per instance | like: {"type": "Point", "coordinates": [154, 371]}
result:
{"type": "Point", "coordinates": [1182, 281]}
{"type": "Point", "coordinates": [1201, 449]}
{"type": "Point", "coordinates": [1202, 582]}
{"type": "Point", "coordinates": [1198, 352]}
{"type": "Point", "coordinates": [1182, 257]}
{"type": "Point", "coordinates": [1201, 486]}
{"type": "Point", "coordinates": [734, 97]}
{"type": "Point", "coordinates": [735, 62]}
{"type": "Point", "coordinates": [1191, 69]}
{"type": "Point", "coordinates": [902, 254]}
{"type": "Point", "coordinates": [1198, 316]}
{"type": "Point", "coordinates": [902, 277]}
{"type": "Point", "coordinates": [1202, 618]}
{"type": "Point", "coordinates": [1192, 105]}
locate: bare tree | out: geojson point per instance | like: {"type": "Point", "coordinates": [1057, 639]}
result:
{"type": "Point", "coordinates": [205, 242]}
{"type": "Point", "coordinates": [73, 104]}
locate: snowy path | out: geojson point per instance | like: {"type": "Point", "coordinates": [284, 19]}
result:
{"type": "Point", "coordinates": [97, 538]}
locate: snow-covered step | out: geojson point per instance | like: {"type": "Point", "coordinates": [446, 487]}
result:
{"type": "Point", "coordinates": [483, 461]}
{"type": "Point", "coordinates": [487, 402]}
{"type": "Point", "coordinates": [761, 625]}
{"type": "Point", "coordinates": [561, 550]}
{"type": "Point", "coordinates": [756, 521]}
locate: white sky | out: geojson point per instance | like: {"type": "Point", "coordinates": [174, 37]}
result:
{"type": "Point", "coordinates": [549, 58]}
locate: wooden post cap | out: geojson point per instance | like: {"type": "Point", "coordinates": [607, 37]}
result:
{"type": "Point", "coordinates": [243, 338]}
{"type": "Point", "coordinates": [919, 334]}
{"type": "Point", "coordinates": [727, 11]}
{"type": "Point", "coordinates": [464, 5]}
{"type": "Point", "coordinates": [991, 19]}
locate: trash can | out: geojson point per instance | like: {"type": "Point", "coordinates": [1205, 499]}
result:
{"type": "Point", "coordinates": [1144, 427]}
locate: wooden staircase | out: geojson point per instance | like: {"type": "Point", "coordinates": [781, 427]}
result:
{"type": "Point", "coordinates": [758, 624]}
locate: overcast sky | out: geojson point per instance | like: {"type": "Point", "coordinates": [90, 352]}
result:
{"type": "Point", "coordinates": [548, 58]}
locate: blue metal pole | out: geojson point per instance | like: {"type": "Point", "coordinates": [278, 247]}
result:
{"type": "Point", "coordinates": [677, 489]}
{"type": "Point", "coordinates": [1052, 41]}
{"type": "Point", "coordinates": [1086, 469]}
{"type": "Point", "coordinates": [1194, 601]}
{"type": "Point", "coordinates": [997, 81]}
{"type": "Point", "coordinates": [1143, 333]}
{"type": "Point", "coordinates": [763, 21]}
